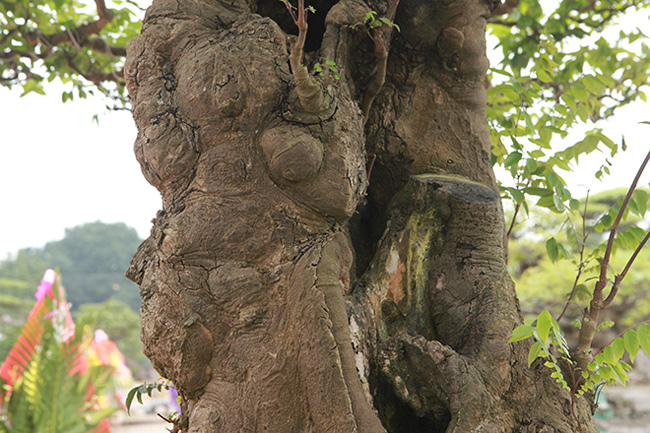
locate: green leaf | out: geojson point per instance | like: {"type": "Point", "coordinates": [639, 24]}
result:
{"type": "Point", "coordinates": [640, 198]}
{"type": "Point", "coordinates": [583, 293]}
{"type": "Point", "coordinates": [618, 348]}
{"type": "Point", "coordinates": [569, 101]}
{"type": "Point", "coordinates": [517, 195]}
{"type": "Point", "coordinates": [608, 355]}
{"type": "Point", "coordinates": [544, 76]}
{"type": "Point", "coordinates": [541, 192]}
{"type": "Point", "coordinates": [534, 353]}
{"type": "Point", "coordinates": [552, 249]}
{"type": "Point", "coordinates": [631, 343]}
{"type": "Point", "coordinates": [620, 373]}
{"type": "Point", "coordinates": [129, 399]}
{"type": "Point", "coordinates": [544, 321]}
{"type": "Point", "coordinates": [521, 332]}
{"type": "Point", "coordinates": [512, 159]}
{"type": "Point", "coordinates": [643, 334]}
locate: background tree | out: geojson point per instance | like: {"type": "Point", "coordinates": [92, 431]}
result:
{"type": "Point", "coordinates": [122, 324]}
{"type": "Point", "coordinates": [44, 40]}
{"type": "Point", "coordinates": [91, 258]}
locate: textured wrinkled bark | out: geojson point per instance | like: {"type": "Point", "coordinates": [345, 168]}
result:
{"type": "Point", "coordinates": [283, 290]}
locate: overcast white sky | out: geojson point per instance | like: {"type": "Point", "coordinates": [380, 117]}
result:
{"type": "Point", "coordinates": [58, 169]}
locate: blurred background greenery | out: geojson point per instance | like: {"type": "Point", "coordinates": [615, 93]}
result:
{"type": "Point", "coordinates": [91, 259]}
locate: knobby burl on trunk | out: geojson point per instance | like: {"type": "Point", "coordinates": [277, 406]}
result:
{"type": "Point", "coordinates": [283, 290]}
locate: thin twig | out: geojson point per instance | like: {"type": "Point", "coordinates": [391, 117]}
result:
{"type": "Point", "coordinates": [585, 235]}
{"type": "Point", "coordinates": [175, 427]}
{"type": "Point", "coordinates": [590, 318]}
{"type": "Point", "coordinates": [512, 223]}
{"type": "Point", "coordinates": [372, 164]}
{"type": "Point", "coordinates": [619, 278]}
{"type": "Point", "coordinates": [602, 281]}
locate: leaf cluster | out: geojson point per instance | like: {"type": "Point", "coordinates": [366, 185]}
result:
{"type": "Point", "coordinates": [146, 389]}
{"type": "Point", "coordinates": [373, 22]}
{"type": "Point", "coordinates": [607, 368]}
{"type": "Point", "coordinates": [79, 43]}
{"type": "Point", "coordinates": [53, 394]}
{"type": "Point", "coordinates": [556, 76]}
{"type": "Point", "coordinates": [327, 65]}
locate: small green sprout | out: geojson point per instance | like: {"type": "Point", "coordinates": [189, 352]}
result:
{"type": "Point", "coordinates": [373, 22]}
{"type": "Point", "coordinates": [329, 65]}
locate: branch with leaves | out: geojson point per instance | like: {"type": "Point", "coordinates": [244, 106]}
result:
{"type": "Point", "coordinates": [382, 34]}
{"type": "Point", "coordinates": [308, 88]}
{"type": "Point", "coordinates": [598, 302]}
{"type": "Point", "coordinates": [56, 39]}
{"type": "Point", "coordinates": [584, 370]}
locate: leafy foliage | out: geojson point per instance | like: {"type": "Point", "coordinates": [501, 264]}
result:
{"type": "Point", "coordinates": [564, 71]}
{"type": "Point", "coordinates": [48, 386]}
{"type": "Point", "coordinates": [608, 367]}
{"type": "Point", "coordinates": [122, 325]}
{"type": "Point", "coordinates": [146, 389]}
{"type": "Point", "coordinates": [161, 384]}
{"type": "Point", "coordinates": [93, 258]}
{"type": "Point", "coordinates": [585, 371]}
{"type": "Point", "coordinates": [559, 74]}
{"type": "Point", "coordinates": [77, 42]}
{"type": "Point", "coordinates": [328, 65]}
{"type": "Point", "coordinates": [372, 21]}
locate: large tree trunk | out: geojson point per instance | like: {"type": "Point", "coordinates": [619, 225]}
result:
{"type": "Point", "coordinates": [283, 290]}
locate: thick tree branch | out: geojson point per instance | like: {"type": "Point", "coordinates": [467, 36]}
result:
{"type": "Point", "coordinates": [79, 37]}
{"type": "Point", "coordinates": [96, 77]}
{"type": "Point", "coordinates": [101, 46]}
{"type": "Point", "coordinates": [507, 7]}
{"type": "Point", "coordinates": [84, 31]}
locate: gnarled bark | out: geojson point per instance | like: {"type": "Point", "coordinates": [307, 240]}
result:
{"type": "Point", "coordinates": [265, 306]}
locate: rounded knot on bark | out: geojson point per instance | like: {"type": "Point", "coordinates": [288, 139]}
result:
{"type": "Point", "coordinates": [292, 155]}
{"type": "Point", "coordinates": [450, 42]}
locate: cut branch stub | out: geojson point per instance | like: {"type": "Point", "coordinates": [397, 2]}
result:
{"type": "Point", "coordinates": [444, 307]}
